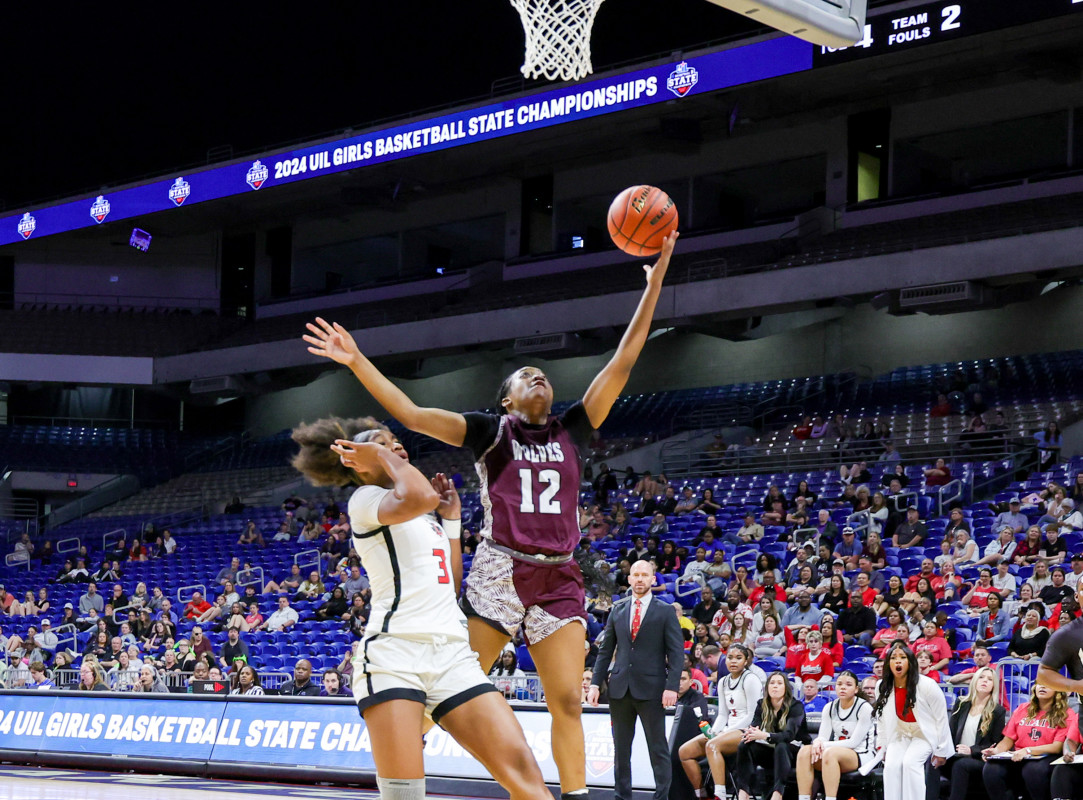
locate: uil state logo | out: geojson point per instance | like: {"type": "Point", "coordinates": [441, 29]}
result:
{"type": "Point", "coordinates": [257, 175]}
{"type": "Point", "coordinates": [27, 225]}
{"type": "Point", "coordinates": [99, 209]}
{"type": "Point", "coordinates": [179, 191]}
{"type": "Point", "coordinates": [599, 751]}
{"type": "Point", "coordinates": [682, 79]}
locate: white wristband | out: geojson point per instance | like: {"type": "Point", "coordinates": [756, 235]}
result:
{"type": "Point", "coordinates": [452, 527]}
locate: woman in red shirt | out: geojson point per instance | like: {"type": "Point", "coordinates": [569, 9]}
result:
{"type": "Point", "coordinates": [933, 643]}
{"type": "Point", "coordinates": [817, 663]}
{"type": "Point", "coordinates": [1034, 735]}
{"type": "Point", "coordinates": [885, 636]}
{"type": "Point", "coordinates": [978, 597]}
{"type": "Point", "coordinates": [832, 642]}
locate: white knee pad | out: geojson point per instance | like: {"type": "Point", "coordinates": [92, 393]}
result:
{"type": "Point", "coordinates": [401, 788]}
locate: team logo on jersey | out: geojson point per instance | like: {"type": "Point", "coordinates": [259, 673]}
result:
{"type": "Point", "coordinates": [27, 225]}
{"type": "Point", "coordinates": [99, 209]}
{"type": "Point", "coordinates": [682, 79]}
{"type": "Point", "coordinates": [257, 175]}
{"type": "Point", "coordinates": [599, 748]}
{"type": "Point", "coordinates": [179, 191]}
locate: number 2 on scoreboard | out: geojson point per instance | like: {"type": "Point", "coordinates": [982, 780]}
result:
{"type": "Point", "coordinates": [951, 18]}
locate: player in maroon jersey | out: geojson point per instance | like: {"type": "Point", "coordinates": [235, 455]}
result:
{"type": "Point", "coordinates": [530, 466]}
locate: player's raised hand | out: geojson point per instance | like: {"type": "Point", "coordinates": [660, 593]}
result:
{"type": "Point", "coordinates": [656, 273]}
{"type": "Point", "coordinates": [450, 506]}
{"type": "Point", "coordinates": [360, 456]}
{"type": "Point", "coordinates": [331, 340]}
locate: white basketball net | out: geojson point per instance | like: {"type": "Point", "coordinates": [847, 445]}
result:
{"type": "Point", "coordinates": [557, 37]}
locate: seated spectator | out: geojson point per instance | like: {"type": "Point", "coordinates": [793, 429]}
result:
{"type": "Point", "coordinates": [831, 640]}
{"type": "Point", "coordinates": [816, 664]}
{"type": "Point", "coordinates": [668, 504]}
{"type": "Point", "coordinates": [137, 552]}
{"type": "Point", "coordinates": [803, 614]}
{"type": "Point", "coordinates": [118, 552]}
{"type": "Point", "coordinates": [149, 681]}
{"type": "Point", "coordinates": [751, 531]}
{"type": "Point", "coordinates": [1000, 549]}
{"type": "Point", "coordinates": [1028, 643]}
{"type": "Point", "coordinates": [1053, 549]}
{"type": "Point", "coordinates": [849, 549]}
{"type": "Point", "coordinates": [978, 597]}
{"type": "Point", "coordinates": [856, 474]}
{"type": "Point", "coordinates": [301, 685]}
{"type": "Point", "coordinates": [251, 535]}
{"type": "Point", "coordinates": [995, 624]}
{"type": "Point", "coordinates": [885, 636]}
{"type": "Point", "coordinates": [289, 583]}
{"type": "Point", "coordinates": [925, 667]}
{"type": "Point", "coordinates": [891, 597]}
{"type": "Point", "coordinates": [858, 622]}
{"type": "Point", "coordinates": [248, 682]}
{"type": "Point", "coordinates": [1057, 591]}
{"type": "Point", "coordinates": [938, 475]}
{"type": "Point", "coordinates": [1012, 518]}
{"type": "Point", "coordinates": [310, 589]}
{"type": "Point", "coordinates": [873, 551]}
{"type": "Point", "coordinates": [1029, 550]}
{"type": "Point", "coordinates": [687, 503]}
{"type": "Point", "coordinates": [932, 641]}
{"type": "Point", "coordinates": [90, 600]}
{"type": "Point", "coordinates": [196, 606]}
{"type": "Point", "coordinates": [228, 573]}
{"type": "Point", "coordinates": [982, 660]}
{"type": "Point", "coordinates": [707, 504]}
{"type": "Point", "coordinates": [803, 430]}
{"type": "Point", "coordinates": [658, 527]}
{"type": "Point", "coordinates": [169, 544]}
{"type": "Point", "coordinates": [910, 533]}
{"type": "Point", "coordinates": [281, 619]}
{"type": "Point", "coordinates": [964, 551]}
{"type": "Point", "coordinates": [234, 506]}
{"type": "Point", "coordinates": [1040, 578]}
{"type": "Point", "coordinates": [836, 598]}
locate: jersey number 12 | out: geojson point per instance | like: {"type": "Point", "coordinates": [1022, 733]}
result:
{"type": "Point", "coordinates": [546, 504]}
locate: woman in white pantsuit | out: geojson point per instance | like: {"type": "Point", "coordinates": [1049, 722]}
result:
{"type": "Point", "coordinates": [913, 725]}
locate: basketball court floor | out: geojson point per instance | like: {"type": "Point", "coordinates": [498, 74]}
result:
{"type": "Point", "coordinates": [33, 783]}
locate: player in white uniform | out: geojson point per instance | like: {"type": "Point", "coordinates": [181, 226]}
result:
{"type": "Point", "coordinates": [415, 657]}
{"type": "Point", "coordinates": [738, 694]}
{"type": "Point", "coordinates": [846, 742]}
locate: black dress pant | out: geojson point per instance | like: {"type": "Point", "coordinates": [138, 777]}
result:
{"type": "Point", "coordinates": [1004, 779]}
{"type": "Point", "coordinates": [623, 712]}
{"type": "Point", "coordinates": [964, 774]}
{"type": "Point", "coordinates": [1067, 782]}
{"type": "Point", "coordinates": [777, 761]}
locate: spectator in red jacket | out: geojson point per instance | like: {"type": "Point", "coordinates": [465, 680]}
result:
{"type": "Point", "coordinates": [817, 663]}
{"type": "Point", "coordinates": [938, 475]}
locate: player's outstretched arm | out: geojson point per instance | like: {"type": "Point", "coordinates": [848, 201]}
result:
{"type": "Point", "coordinates": [331, 340]}
{"type": "Point", "coordinates": [610, 382]}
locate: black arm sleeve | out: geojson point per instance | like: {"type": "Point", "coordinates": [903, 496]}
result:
{"type": "Point", "coordinates": [480, 431]}
{"type": "Point", "coordinates": [577, 423]}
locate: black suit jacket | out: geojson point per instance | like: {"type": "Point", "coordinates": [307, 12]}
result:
{"type": "Point", "coordinates": [991, 738]}
{"type": "Point", "coordinates": [650, 665]}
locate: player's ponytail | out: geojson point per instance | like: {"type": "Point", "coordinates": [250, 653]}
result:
{"type": "Point", "coordinates": [316, 460]}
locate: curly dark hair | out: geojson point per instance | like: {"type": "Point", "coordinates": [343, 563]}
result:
{"type": "Point", "coordinates": [887, 685]}
{"type": "Point", "coordinates": [316, 460]}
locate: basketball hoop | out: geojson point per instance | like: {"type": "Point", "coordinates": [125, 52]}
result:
{"type": "Point", "coordinates": [557, 37]}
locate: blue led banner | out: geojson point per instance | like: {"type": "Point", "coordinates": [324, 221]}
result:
{"type": "Point", "coordinates": [708, 73]}
{"type": "Point", "coordinates": [309, 734]}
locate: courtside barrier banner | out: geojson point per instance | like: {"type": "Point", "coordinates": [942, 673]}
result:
{"type": "Point", "coordinates": [292, 734]}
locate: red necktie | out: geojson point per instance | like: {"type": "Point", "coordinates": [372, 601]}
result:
{"type": "Point", "coordinates": [636, 620]}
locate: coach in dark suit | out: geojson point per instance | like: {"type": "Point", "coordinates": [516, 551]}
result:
{"type": "Point", "coordinates": [644, 678]}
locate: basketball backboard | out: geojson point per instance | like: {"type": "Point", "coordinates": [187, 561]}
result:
{"type": "Point", "coordinates": [831, 23]}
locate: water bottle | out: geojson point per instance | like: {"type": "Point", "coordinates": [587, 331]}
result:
{"type": "Point", "coordinates": [705, 729]}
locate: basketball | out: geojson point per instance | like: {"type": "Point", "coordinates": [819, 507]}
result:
{"type": "Point", "coordinates": [641, 217]}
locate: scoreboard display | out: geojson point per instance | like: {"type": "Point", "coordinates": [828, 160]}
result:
{"type": "Point", "coordinates": [931, 23]}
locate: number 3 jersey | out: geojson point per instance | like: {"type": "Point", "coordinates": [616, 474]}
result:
{"type": "Point", "coordinates": [530, 478]}
{"type": "Point", "coordinates": [409, 570]}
